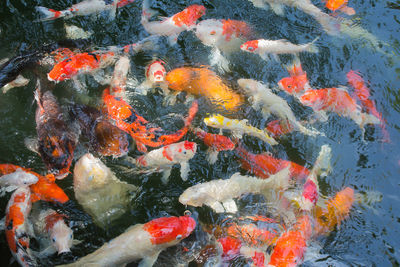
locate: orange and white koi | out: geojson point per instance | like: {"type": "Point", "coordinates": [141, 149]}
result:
{"type": "Point", "coordinates": [363, 93]}
{"type": "Point", "coordinates": [16, 228]}
{"type": "Point", "coordinates": [297, 82]}
{"type": "Point", "coordinates": [84, 8]}
{"type": "Point", "coordinates": [219, 194]}
{"type": "Point", "coordinates": [224, 36]}
{"type": "Point", "coordinates": [155, 76]}
{"type": "Point", "coordinates": [238, 128]}
{"type": "Point", "coordinates": [141, 241]}
{"type": "Point", "coordinates": [264, 47]}
{"type": "Point", "coordinates": [339, 101]}
{"type": "Point", "coordinates": [44, 189]}
{"type": "Point", "coordinates": [276, 128]}
{"type": "Point", "coordinates": [263, 165]}
{"type": "Point", "coordinates": [292, 244]}
{"type": "Point", "coordinates": [340, 5]}
{"type": "Point", "coordinates": [215, 143]}
{"type": "Point", "coordinates": [56, 140]}
{"type": "Point", "coordinates": [164, 158]}
{"type": "Point", "coordinates": [102, 195]}
{"type": "Point", "coordinates": [263, 99]}
{"type": "Point", "coordinates": [174, 25]}
{"type": "Point", "coordinates": [19, 178]}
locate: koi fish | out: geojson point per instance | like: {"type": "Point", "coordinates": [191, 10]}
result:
{"type": "Point", "coordinates": [291, 245]}
{"type": "Point", "coordinates": [16, 228]}
{"type": "Point", "coordinates": [328, 23]}
{"type": "Point", "coordinates": [174, 25]}
{"type": "Point", "coordinates": [19, 178]}
{"type": "Point", "coordinates": [224, 37]}
{"type": "Point", "coordinates": [80, 63]}
{"type": "Point", "coordinates": [74, 32]}
{"type": "Point", "coordinates": [44, 189]}
{"type": "Point", "coordinates": [339, 101]}
{"type": "Point", "coordinates": [335, 211]}
{"type": "Point", "coordinates": [219, 194]}
{"type": "Point", "coordinates": [215, 143]}
{"type": "Point", "coordinates": [230, 246]}
{"type": "Point", "coordinates": [297, 83]}
{"type": "Point", "coordinates": [263, 165]}
{"type": "Point", "coordinates": [155, 75]}
{"type": "Point", "coordinates": [252, 235]}
{"type": "Point", "coordinates": [204, 82]}
{"type": "Point", "coordinates": [363, 93]}
{"type": "Point", "coordinates": [263, 47]}
{"type": "Point", "coordinates": [141, 241]}
{"type": "Point", "coordinates": [51, 224]}
{"type": "Point", "coordinates": [104, 137]}
{"type": "Point", "coordinates": [269, 103]}
{"type": "Point", "coordinates": [18, 82]}
{"type": "Point", "coordinates": [340, 5]}
{"type": "Point", "coordinates": [277, 128]}
{"type": "Point", "coordinates": [118, 81]}
{"type": "Point", "coordinates": [101, 194]}
{"type": "Point", "coordinates": [84, 8]}
{"type": "Point", "coordinates": [238, 128]}
{"type": "Point", "coordinates": [56, 140]}
{"type": "Point", "coordinates": [164, 158]}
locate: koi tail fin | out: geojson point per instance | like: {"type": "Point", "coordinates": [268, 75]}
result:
{"type": "Point", "coordinates": [147, 11]}
{"type": "Point", "coordinates": [312, 48]}
{"type": "Point", "coordinates": [295, 69]}
{"type": "Point", "coordinates": [217, 59]}
{"type": "Point", "coordinates": [37, 95]}
{"type": "Point", "coordinates": [330, 25]}
{"type": "Point", "coordinates": [49, 14]}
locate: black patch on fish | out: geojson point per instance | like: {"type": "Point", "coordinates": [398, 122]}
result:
{"type": "Point", "coordinates": [109, 2]}
{"type": "Point", "coordinates": [10, 225]}
{"type": "Point", "coordinates": [94, 56]}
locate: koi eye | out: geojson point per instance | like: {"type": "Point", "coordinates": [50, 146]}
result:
{"type": "Point", "coordinates": [90, 178]}
{"type": "Point", "coordinates": [63, 75]}
{"type": "Point", "coordinates": [250, 48]}
{"type": "Point", "coordinates": [187, 213]}
{"type": "Point", "coordinates": [54, 239]}
{"type": "Point", "coordinates": [289, 86]}
{"type": "Point", "coordinates": [70, 236]}
{"type": "Point", "coordinates": [213, 32]}
{"type": "Point", "coordinates": [178, 237]}
{"type": "Point", "coordinates": [184, 152]}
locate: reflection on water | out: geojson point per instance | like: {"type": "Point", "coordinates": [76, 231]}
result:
{"type": "Point", "coordinates": [369, 43]}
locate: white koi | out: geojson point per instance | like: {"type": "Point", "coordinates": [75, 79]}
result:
{"type": "Point", "coordinates": [19, 178]}
{"type": "Point", "coordinates": [18, 82]}
{"type": "Point", "coordinates": [155, 76]}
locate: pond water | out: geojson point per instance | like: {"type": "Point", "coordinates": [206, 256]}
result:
{"type": "Point", "coordinates": [369, 237]}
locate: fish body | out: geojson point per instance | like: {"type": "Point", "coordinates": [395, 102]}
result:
{"type": "Point", "coordinates": [278, 128]}
{"type": "Point", "coordinates": [252, 235]}
{"type": "Point", "coordinates": [165, 157]}
{"type": "Point", "coordinates": [16, 226]}
{"type": "Point", "coordinates": [44, 189]}
{"type": "Point", "coordinates": [263, 165]}
{"type": "Point", "coordinates": [340, 5]}
{"type": "Point", "coordinates": [219, 194]}
{"type": "Point", "coordinates": [57, 140]}
{"type": "Point", "coordinates": [174, 25]}
{"type": "Point", "coordinates": [204, 82]}
{"type": "Point", "coordinates": [141, 241]}
{"type": "Point", "coordinates": [52, 225]}
{"type": "Point", "coordinates": [19, 178]}
{"type": "Point", "coordinates": [118, 81]}
{"type": "Point", "coordinates": [264, 47]}
{"type": "Point", "coordinates": [80, 63]}
{"type": "Point", "coordinates": [238, 128]}
{"type": "Point", "coordinates": [101, 194]}
{"type": "Point", "coordinates": [104, 137]}
{"type": "Point", "coordinates": [84, 8]}
{"type": "Point", "coordinates": [269, 103]}
{"type": "Point", "coordinates": [224, 36]}
{"type": "Point", "coordinates": [297, 82]}
{"type": "Point", "coordinates": [338, 101]}
{"type": "Point", "coordinates": [215, 142]}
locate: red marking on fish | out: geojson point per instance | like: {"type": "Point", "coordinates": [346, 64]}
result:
{"type": "Point", "coordinates": [277, 129]}
{"type": "Point", "coordinates": [230, 246]}
{"type": "Point", "coordinates": [189, 15]}
{"type": "Point", "coordinates": [258, 259]}
{"type": "Point", "coordinates": [310, 191]}
{"type": "Point", "coordinates": [166, 154]}
{"type": "Point", "coordinates": [52, 219]}
{"type": "Point", "coordinates": [250, 45]}
{"type": "Point", "coordinates": [236, 28]}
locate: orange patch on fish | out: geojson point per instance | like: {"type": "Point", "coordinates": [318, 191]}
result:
{"type": "Point", "coordinates": [189, 15]}
{"type": "Point", "coordinates": [236, 28]}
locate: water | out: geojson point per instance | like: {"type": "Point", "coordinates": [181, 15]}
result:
{"type": "Point", "coordinates": [370, 237]}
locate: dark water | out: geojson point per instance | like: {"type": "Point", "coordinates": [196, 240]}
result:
{"type": "Point", "coordinates": [370, 237]}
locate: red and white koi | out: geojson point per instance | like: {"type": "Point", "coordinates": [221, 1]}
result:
{"type": "Point", "coordinates": [141, 241]}
{"type": "Point", "coordinates": [172, 26]}
{"type": "Point", "coordinates": [263, 99]}
{"type": "Point", "coordinates": [16, 226]}
{"type": "Point", "coordinates": [297, 82]}
{"type": "Point", "coordinates": [340, 5]}
{"type": "Point", "coordinates": [219, 194]}
{"type": "Point", "coordinates": [84, 8]}
{"type": "Point", "coordinates": [224, 36]}
{"type": "Point", "coordinates": [155, 76]}
{"type": "Point", "coordinates": [164, 158]}
{"type": "Point", "coordinates": [19, 178]}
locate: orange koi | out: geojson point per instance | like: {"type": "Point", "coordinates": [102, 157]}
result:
{"type": "Point", "coordinates": [264, 165]}
{"type": "Point", "coordinates": [252, 235]}
{"type": "Point", "coordinates": [340, 5]}
{"type": "Point", "coordinates": [204, 82]}
{"type": "Point", "coordinates": [297, 82]}
{"type": "Point", "coordinates": [45, 189]}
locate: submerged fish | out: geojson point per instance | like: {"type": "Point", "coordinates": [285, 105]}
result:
{"type": "Point", "coordinates": [164, 158]}
{"type": "Point", "coordinates": [174, 25]}
{"type": "Point", "coordinates": [118, 81]}
{"type": "Point", "coordinates": [269, 103]}
{"type": "Point", "coordinates": [16, 226]}
{"type": "Point", "coordinates": [56, 140]}
{"type": "Point", "coordinates": [225, 37]}
{"type": "Point", "coordinates": [238, 128]}
{"type": "Point", "coordinates": [101, 194]}
{"type": "Point", "coordinates": [219, 194]}
{"type": "Point", "coordinates": [84, 8]}
{"type": "Point", "coordinates": [141, 241]}
{"type": "Point", "coordinates": [18, 82]}
{"type": "Point", "coordinates": [19, 178]}
{"type": "Point", "coordinates": [155, 76]}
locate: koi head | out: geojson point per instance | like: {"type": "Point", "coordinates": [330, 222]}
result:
{"type": "Point", "coordinates": [189, 15]}
{"type": "Point", "coordinates": [170, 229]}
{"type": "Point", "coordinates": [250, 86]}
{"type": "Point", "coordinates": [60, 234]}
{"type": "Point", "coordinates": [62, 71]}
{"type": "Point", "coordinates": [20, 178]}
{"type": "Point", "coordinates": [216, 121]}
{"type": "Point", "coordinates": [155, 71]}
{"type": "Point", "coordinates": [236, 28]}
{"type": "Point", "coordinates": [209, 31]}
{"type": "Point", "coordinates": [335, 4]}
{"type": "Point", "coordinates": [250, 46]}
{"type": "Point", "coordinates": [294, 84]}
{"type": "Point", "coordinates": [182, 151]}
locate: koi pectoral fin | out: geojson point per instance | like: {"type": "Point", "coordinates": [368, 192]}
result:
{"type": "Point", "coordinates": [216, 206]}
{"type": "Point", "coordinates": [185, 169]}
{"type": "Point", "coordinates": [230, 206]}
{"type": "Point", "coordinates": [165, 176]}
{"type": "Point", "coordinates": [149, 260]}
